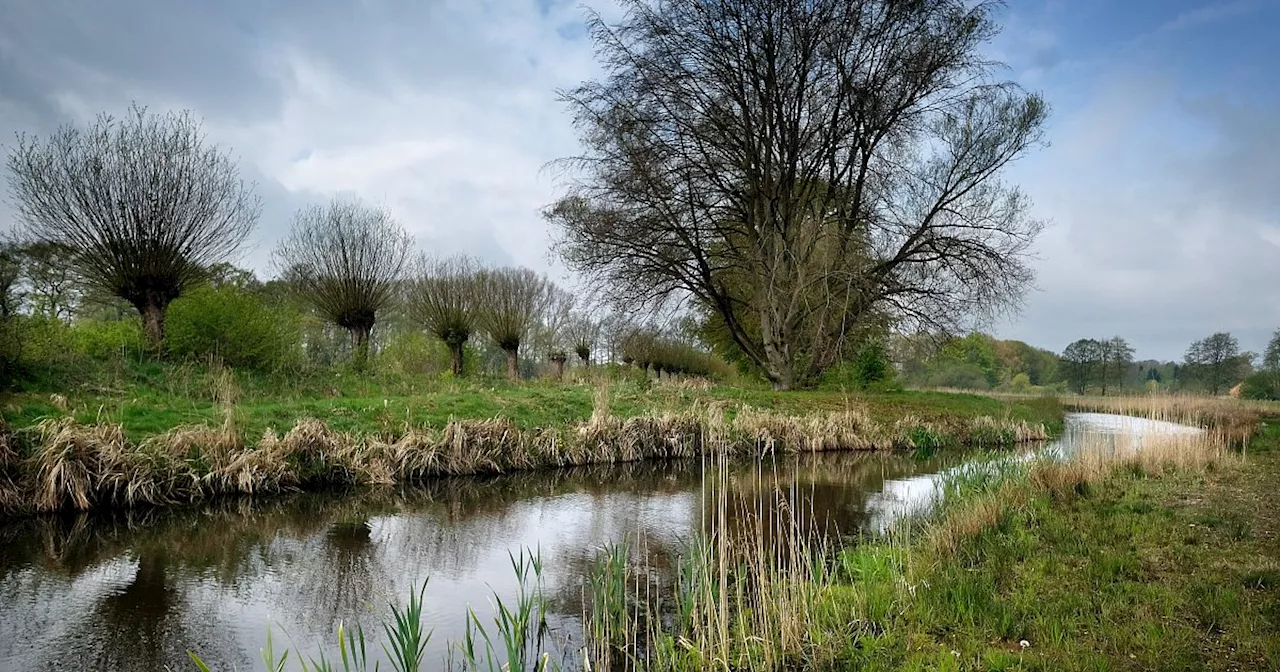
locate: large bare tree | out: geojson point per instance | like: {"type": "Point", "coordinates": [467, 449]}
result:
{"type": "Point", "coordinates": [444, 296]}
{"type": "Point", "coordinates": [142, 205]}
{"type": "Point", "coordinates": [799, 168]}
{"type": "Point", "coordinates": [514, 299]}
{"type": "Point", "coordinates": [346, 259]}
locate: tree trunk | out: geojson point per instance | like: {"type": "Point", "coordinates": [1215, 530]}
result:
{"type": "Point", "coordinates": [153, 320]}
{"type": "Point", "coordinates": [778, 365]}
{"type": "Point", "coordinates": [559, 364]}
{"type": "Point", "coordinates": [513, 364]}
{"type": "Point", "coordinates": [456, 350]}
{"type": "Point", "coordinates": [360, 348]}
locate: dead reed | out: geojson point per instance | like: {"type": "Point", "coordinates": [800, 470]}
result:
{"type": "Point", "coordinates": [70, 465]}
{"type": "Point", "coordinates": [1236, 419]}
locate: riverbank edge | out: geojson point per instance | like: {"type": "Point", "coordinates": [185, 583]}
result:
{"type": "Point", "coordinates": [1031, 573]}
{"type": "Point", "coordinates": [60, 464]}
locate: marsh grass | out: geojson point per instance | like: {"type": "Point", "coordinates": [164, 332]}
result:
{"type": "Point", "coordinates": [81, 467]}
{"type": "Point", "coordinates": [1237, 420]}
{"type": "Point", "coordinates": [758, 592]}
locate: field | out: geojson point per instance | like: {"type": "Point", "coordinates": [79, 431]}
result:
{"type": "Point", "coordinates": [147, 399]}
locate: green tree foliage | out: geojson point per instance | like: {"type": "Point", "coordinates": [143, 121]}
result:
{"type": "Point", "coordinates": [1116, 360]}
{"type": "Point", "coordinates": [978, 351]}
{"type": "Point", "coordinates": [1216, 363]}
{"type": "Point", "coordinates": [1271, 356]}
{"type": "Point", "coordinates": [975, 362]}
{"type": "Point", "coordinates": [235, 326]}
{"type": "Point", "coordinates": [1081, 363]}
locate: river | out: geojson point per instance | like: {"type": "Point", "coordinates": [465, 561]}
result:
{"type": "Point", "coordinates": [136, 590]}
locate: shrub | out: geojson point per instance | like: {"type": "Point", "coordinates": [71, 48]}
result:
{"type": "Point", "coordinates": [962, 375]}
{"type": "Point", "coordinates": [234, 326]}
{"type": "Point", "coordinates": [1263, 385]}
{"type": "Point", "coordinates": [104, 340]}
{"type": "Point", "coordinates": [414, 352]}
{"type": "Point", "coordinates": [871, 369]}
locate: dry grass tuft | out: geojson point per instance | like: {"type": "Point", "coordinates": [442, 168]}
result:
{"type": "Point", "coordinates": [82, 466]}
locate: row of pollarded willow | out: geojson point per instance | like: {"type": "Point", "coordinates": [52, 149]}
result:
{"type": "Point", "coordinates": [351, 261]}
{"type": "Point", "coordinates": [144, 209]}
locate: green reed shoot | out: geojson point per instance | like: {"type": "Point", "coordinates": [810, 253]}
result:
{"type": "Point", "coordinates": [408, 641]}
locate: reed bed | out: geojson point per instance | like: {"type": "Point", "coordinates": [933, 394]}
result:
{"type": "Point", "coordinates": [1235, 418]}
{"type": "Point", "coordinates": [74, 466]}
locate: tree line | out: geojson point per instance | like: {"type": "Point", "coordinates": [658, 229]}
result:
{"type": "Point", "coordinates": [1214, 364]}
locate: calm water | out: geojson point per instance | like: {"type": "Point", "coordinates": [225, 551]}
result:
{"type": "Point", "coordinates": [135, 591]}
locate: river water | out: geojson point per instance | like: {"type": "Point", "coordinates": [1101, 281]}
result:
{"type": "Point", "coordinates": [136, 590]}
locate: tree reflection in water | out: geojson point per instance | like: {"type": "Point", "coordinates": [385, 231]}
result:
{"type": "Point", "coordinates": [212, 578]}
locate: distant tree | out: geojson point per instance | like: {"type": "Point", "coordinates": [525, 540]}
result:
{"type": "Point", "coordinates": [1271, 356]}
{"type": "Point", "coordinates": [1116, 357]}
{"type": "Point", "coordinates": [444, 296]}
{"type": "Point", "coordinates": [10, 302]}
{"type": "Point", "coordinates": [346, 259]}
{"type": "Point", "coordinates": [141, 205]}
{"type": "Point", "coordinates": [584, 333]}
{"type": "Point", "coordinates": [551, 333]}
{"type": "Point", "coordinates": [976, 349]}
{"type": "Point", "coordinates": [513, 301]}
{"type": "Point", "coordinates": [53, 288]}
{"type": "Point", "coordinates": [11, 296]}
{"type": "Point", "coordinates": [804, 171]}
{"type": "Point", "coordinates": [229, 275]}
{"type": "Point", "coordinates": [1081, 362]}
{"type": "Point", "coordinates": [1215, 361]}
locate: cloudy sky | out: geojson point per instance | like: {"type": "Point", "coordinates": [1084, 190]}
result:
{"type": "Point", "coordinates": [1162, 181]}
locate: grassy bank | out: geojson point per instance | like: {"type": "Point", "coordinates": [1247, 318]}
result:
{"type": "Point", "coordinates": [1036, 564]}
{"type": "Point", "coordinates": [147, 399]}
{"type": "Point", "coordinates": [63, 463]}
{"type": "Point", "coordinates": [183, 433]}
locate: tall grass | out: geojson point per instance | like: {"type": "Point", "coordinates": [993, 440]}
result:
{"type": "Point", "coordinates": [756, 592]}
{"type": "Point", "coordinates": [77, 466]}
{"type": "Point", "coordinates": [1236, 419]}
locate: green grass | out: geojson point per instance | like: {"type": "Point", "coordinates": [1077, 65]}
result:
{"type": "Point", "coordinates": [1175, 573]}
{"type": "Point", "coordinates": [149, 398]}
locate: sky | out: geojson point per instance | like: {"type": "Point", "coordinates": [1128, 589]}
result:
{"type": "Point", "coordinates": [1160, 183]}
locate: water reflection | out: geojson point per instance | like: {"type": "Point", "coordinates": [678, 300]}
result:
{"type": "Point", "coordinates": [136, 590]}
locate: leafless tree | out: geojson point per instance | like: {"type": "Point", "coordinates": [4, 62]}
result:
{"type": "Point", "coordinates": [141, 204]}
{"type": "Point", "coordinates": [514, 299]}
{"type": "Point", "coordinates": [583, 334]}
{"type": "Point", "coordinates": [444, 296]}
{"type": "Point", "coordinates": [551, 334]}
{"type": "Point", "coordinates": [1216, 361]}
{"type": "Point", "coordinates": [346, 259]}
{"type": "Point", "coordinates": [799, 168]}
